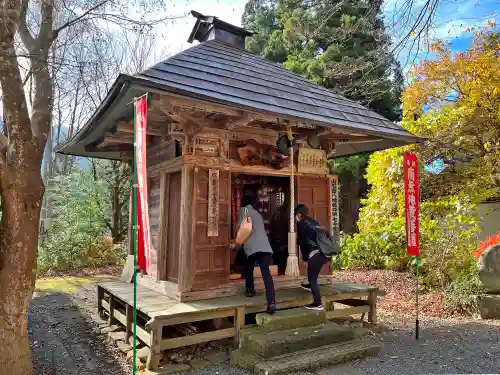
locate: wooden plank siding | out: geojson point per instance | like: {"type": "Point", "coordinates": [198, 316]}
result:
{"type": "Point", "coordinates": [154, 221]}
{"type": "Point", "coordinates": [159, 149]}
{"type": "Point", "coordinates": [173, 230]}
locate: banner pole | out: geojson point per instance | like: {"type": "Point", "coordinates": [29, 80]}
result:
{"type": "Point", "coordinates": [134, 234]}
{"type": "Point", "coordinates": [417, 259]}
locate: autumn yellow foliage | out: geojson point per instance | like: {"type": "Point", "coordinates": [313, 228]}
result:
{"type": "Point", "coordinates": [454, 101]}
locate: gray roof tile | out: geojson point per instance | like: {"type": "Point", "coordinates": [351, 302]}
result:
{"type": "Point", "coordinates": [220, 71]}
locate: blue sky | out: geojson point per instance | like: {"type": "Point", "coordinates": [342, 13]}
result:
{"type": "Point", "coordinates": [450, 22]}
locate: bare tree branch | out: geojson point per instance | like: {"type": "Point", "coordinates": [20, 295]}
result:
{"type": "Point", "coordinates": [24, 32]}
{"type": "Point", "coordinates": [80, 18]}
{"type": "Point", "coordinates": [46, 35]}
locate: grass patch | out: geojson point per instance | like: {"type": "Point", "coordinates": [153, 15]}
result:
{"type": "Point", "coordinates": [67, 284]}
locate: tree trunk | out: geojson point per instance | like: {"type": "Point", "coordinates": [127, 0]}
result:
{"type": "Point", "coordinates": [21, 194]}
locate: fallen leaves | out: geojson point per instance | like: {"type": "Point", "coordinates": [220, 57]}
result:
{"type": "Point", "coordinates": [400, 292]}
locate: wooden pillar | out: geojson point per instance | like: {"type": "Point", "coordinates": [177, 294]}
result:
{"type": "Point", "coordinates": [239, 323]}
{"type": "Point", "coordinates": [154, 357]}
{"type": "Point", "coordinates": [111, 319]}
{"type": "Point", "coordinates": [164, 203]}
{"type": "Point", "coordinates": [129, 316]}
{"type": "Point", "coordinates": [372, 300]}
{"type": "Point", "coordinates": [100, 297]}
{"type": "Point", "coordinates": [186, 227]}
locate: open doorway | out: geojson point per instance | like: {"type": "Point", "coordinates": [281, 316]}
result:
{"type": "Point", "coordinates": [273, 203]}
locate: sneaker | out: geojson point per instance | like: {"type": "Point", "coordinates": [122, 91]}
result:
{"type": "Point", "coordinates": [306, 286]}
{"type": "Point", "coordinates": [250, 293]}
{"type": "Point", "coordinates": [271, 309]}
{"type": "Point", "coordinates": [314, 306]}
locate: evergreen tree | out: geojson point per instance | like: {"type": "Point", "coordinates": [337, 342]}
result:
{"type": "Point", "coordinates": [341, 45]}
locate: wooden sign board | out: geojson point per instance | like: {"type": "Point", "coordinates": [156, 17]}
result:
{"type": "Point", "coordinates": [312, 161]}
{"type": "Point", "coordinates": [213, 202]}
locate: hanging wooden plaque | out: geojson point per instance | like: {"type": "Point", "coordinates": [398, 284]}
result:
{"type": "Point", "coordinates": [312, 161]}
{"type": "Point", "coordinates": [213, 203]}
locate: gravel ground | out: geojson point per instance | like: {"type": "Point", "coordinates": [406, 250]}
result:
{"type": "Point", "coordinates": [61, 325]}
{"type": "Point", "coordinates": [446, 346]}
{"type": "Point", "coordinates": [64, 340]}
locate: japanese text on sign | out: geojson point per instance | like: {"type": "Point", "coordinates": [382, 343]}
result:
{"type": "Point", "coordinates": [411, 203]}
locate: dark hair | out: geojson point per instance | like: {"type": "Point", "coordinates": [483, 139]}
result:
{"type": "Point", "coordinates": [301, 209]}
{"type": "Point", "coordinates": [248, 199]}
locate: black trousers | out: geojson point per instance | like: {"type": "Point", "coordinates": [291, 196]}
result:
{"type": "Point", "coordinates": [264, 260]}
{"type": "Point", "coordinates": [314, 266]}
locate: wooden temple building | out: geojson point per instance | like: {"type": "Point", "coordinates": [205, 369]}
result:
{"type": "Point", "coordinates": [220, 122]}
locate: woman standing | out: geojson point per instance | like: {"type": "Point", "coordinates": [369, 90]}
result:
{"type": "Point", "coordinates": [257, 249]}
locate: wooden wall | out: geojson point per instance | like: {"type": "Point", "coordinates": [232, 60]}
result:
{"type": "Point", "coordinates": [173, 226]}
{"type": "Point", "coordinates": [158, 150]}
{"type": "Point", "coordinates": [154, 218]}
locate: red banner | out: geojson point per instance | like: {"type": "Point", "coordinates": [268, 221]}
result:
{"type": "Point", "coordinates": [143, 237]}
{"type": "Point", "coordinates": [411, 203]}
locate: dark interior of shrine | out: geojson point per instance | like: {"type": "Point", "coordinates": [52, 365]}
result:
{"type": "Point", "coordinates": [273, 200]}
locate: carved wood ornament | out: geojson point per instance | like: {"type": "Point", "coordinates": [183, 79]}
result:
{"type": "Point", "coordinates": [254, 153]}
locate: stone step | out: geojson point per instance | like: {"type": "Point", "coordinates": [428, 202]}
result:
{"type": "Point", "coordinates": [291, 318]}
{"type": "Point", "coordinates": [266, 343]}
{"type": "Point", "coordinates": [305, 360]}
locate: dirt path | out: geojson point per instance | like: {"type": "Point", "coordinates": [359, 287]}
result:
{"type": "Point", "coordinates": [65, 341]}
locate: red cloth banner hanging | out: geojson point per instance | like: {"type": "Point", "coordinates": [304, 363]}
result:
{"type": "Point", "coordinates": [411, 203]}
{"type": "Point", "coordinates": [143, 235]}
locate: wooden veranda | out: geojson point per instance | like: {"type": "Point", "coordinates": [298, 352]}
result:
{"type": "Point", "coordinates": [156, 311]}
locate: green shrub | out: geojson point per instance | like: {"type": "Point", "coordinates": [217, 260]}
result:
{"type": "Point", "coordinates": [102, 252]}
{"type": "Point", "coordinates": [448, 228]}
{"type": "Point", "coordinates": [377, 248]}
{"type": "Point", "coordinates": [460, 295]}
{"type": "Point", "coordinates": [76, 237]}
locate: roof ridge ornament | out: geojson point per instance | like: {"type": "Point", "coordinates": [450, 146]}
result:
{"type": "Point", "coordinates": [212, 28]}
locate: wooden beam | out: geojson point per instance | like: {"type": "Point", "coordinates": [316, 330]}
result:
{"type": "Point", "coordinates": [111, 148]}
{"type": "Point", "coordinates": [182, 115]}
{"type": "Point", "coordinates": [118, 138]}
{"type": "Point", "coordinates": [128, 127]}
{"type": "Point", "coordinates": [344, 313]}
{"type": "Point", "coordinates": [180, 342]}
{"type": "Point", "coordinates": [197, 105]}
{"type": "Point", "coordinates": [243, 120]}
{"type": "Point", "coordinates": [167, 320]}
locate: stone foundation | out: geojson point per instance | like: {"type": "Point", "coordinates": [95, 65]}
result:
{"type": "Point", "coordinates": [489, 306]}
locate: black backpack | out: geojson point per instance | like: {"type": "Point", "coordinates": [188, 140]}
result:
{"type": "Point", "coordinates": [326, 245]}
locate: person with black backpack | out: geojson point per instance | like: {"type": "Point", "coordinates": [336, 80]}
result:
{"type": "Point", "coordinates": [317, 248]}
